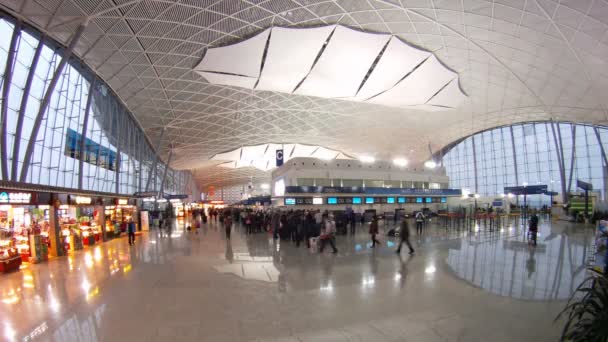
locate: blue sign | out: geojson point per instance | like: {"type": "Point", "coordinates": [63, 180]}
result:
{"type": "Point", "coordinates": [279, 155]}
{"type": "Point", "coordinates": [390, 200]}
{"type": "Point", "coordinates": [290, 201]}
{"type": "Point", "coordinates": [428, 200]}
{"type": "Point", "coordinates": [356, 200]}
{"type": "Point", "coordinates": [401, 200]}
{"type": "Point", "coordinates": [444, 200]}
{"type": "Point", "coordinates": [181, 196]}
{"type": "Point", "coordinates": [418, 199]}
{"type": "Point", "coordinates": [369, 200]}
{"type": "Point", "coordinates": [371, 191]}
{"type": "Point", "coordinates": [526, 190]}
{"type": "Point", "coordinates": [332, 200]}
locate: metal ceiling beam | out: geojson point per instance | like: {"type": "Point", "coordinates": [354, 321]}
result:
{"type": "Point", "coordinates": [155, 162]}
{"type": "Point", "coordinates": [67, 53]}
{"type": "Point", "coordinates": [23, 107]}
{"type": "Point", "coordinates": [83, 135]}
{"type": "Point", "coordinates": [7, 82]}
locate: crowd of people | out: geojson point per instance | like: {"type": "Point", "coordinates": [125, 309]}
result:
{"type": "Point", "coordinates": [314, 228]}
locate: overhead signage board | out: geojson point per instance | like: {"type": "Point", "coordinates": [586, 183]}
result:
{"type": "Point", "coordinates": [146, 194]}
{"type": "Point", "coordinates": [180, 196]}
{"type": "Point", "coordinates": [370, 191]}
{"type": "Point", "coordinates": [18, 197]}
{"type": "Point", "coordinates": [584, 185]}
{"type": "Point", "coordinates": [526, 190]}
{"type": "Point", "coordinates": [279, 157]}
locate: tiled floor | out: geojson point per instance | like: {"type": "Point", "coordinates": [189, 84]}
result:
{"type": "Point", "coordinates": [459, 286]}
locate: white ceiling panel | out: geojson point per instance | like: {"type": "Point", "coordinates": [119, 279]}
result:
{"type": "Point", "coordinates": [418, 87]}
{"type": "Point", "coordinates": [397, 60]}
{"type": "Point", "coordinates": [303, 150]}
{"type": "Point", "coordinates": [343, 65]}
{"type": "Point", "coordinates": [290, 56]}
{"type": "Point", "coordinates": [230, 80]}
{"type": "Point", "coordinates": [450, 96]}
{"type": "Point", "coordinates": [229, 59]}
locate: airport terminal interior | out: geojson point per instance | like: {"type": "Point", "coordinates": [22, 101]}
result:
{"type": "Point", "coordinates": [303, 170]}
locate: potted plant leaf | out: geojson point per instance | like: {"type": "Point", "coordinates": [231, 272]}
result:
{"type": "Point", "coordinates": [586, 313]}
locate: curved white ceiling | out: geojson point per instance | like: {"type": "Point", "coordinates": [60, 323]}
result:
{"type": "Point", "coordinates": [516, 60]}
{"type": "Point", "coordinates": [335, 62]}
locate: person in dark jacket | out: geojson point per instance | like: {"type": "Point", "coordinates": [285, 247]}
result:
{"type": "Point", "coordinates": [373, 230]}
{"type": "Point", "coordinates": [131, 230]}
{"type": "Point", "coordinates": [533, 228]}
{"type": "Point", "coordinates": [228, 226]}
{"type": "Point", "coordinates": [404, 233]}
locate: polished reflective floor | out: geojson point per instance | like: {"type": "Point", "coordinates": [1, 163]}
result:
{"type": "Point", "coordinates": [461, 285]}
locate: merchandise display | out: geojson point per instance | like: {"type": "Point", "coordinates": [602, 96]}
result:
{"type": "Point", "coordinates": [21, 226]}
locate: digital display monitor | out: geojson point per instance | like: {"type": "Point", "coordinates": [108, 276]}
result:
{"type": "Point", "coordinates": [401, 200]}
{"type": "Point", "coordinates": [429, 200]}
{"type": "Point", "coordinates": [444, 200]}
{"type": "Point", "coordinates": [290, 201]}
{"type": "Point", "coordinates": [418, 199]}
{"type": "Point", "coordinates": [356, 200]}
{"type": "Point", "coordinates": [390, 200]}
{"type": "Point", "coordinates": [369, 200]}
{"type": "Point", "coordinates": [317, 200]}
{"type": "Point", "coordinates": [332, 200]}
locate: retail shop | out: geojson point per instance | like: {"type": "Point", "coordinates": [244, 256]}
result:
{"type": "Point", "coordinates": [80, 222]}
{"type": "Point", "coordinates": [118, 213]}
{"type": "Point", "coordinates": [24, 229]}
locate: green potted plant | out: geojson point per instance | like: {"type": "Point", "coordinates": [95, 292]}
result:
{"type": "Point", "coordinates": [586, 313]}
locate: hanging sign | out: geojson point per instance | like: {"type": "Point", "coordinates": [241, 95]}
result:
{"type": "Point", "coordinates": [122, 201]}
{"type": "Point", "coordinates": [279, 155]}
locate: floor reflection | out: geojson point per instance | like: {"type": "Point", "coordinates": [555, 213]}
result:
{"type": "Point", "coordinates": [506, 265]}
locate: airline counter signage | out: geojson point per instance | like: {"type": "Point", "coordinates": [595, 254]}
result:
{"type": "Point", "coordinates": [370, 191]}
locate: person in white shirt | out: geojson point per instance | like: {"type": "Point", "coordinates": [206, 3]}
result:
{"type": "Point", "coordinates": [328, 234]}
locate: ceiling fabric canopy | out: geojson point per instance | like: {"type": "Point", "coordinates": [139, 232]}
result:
{"type": "Point", "coordinates": [263, 157]}
{"type": "Point", "coordinates": [477, 65]}
{"type": "Point", "coordinates": [336, 62]}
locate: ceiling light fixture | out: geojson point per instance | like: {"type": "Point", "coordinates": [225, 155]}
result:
{"type": "Point", "coordinates": [400, 162]}
{"type": "Point", "coordinates": [430, 164]}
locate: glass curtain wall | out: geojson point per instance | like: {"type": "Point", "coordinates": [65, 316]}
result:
{"type": "Point", "coordinates": [84, 121]}
{"type": "Point", "coordinates": [526, 154]}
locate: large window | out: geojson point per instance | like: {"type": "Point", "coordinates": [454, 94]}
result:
{"type": "Point", "coordinates": [526, 154]}
{"type": "Point", "coordinates": [116, 156]}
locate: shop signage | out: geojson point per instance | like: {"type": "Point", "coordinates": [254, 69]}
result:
{"type": "Point", "coordinates": [7, 197]}
{"type": "Point", "coordinates": [371, 191]}
{"type": "Point", "coordinates": [149, 199]}
{"type": "Point", "coordinates": [122, 201]}
{"type": "Point", "coordinates": [82, 200]}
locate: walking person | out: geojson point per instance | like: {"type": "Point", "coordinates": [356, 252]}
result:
{"type": "Point", "coordinates": [533, 228]}
{"type": "Point", "coordinates": [419, 222]}
{"type": "Point", "coordinates": [131, 231]}
{"type": "Point", "coordinates": [228, 226]}
{"type": "Point", "coordinates": [404, 233]}
{"type": "Point", "coordinates": [328, 234]}
{"type": "Point", "coordinates": [373, 230]}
